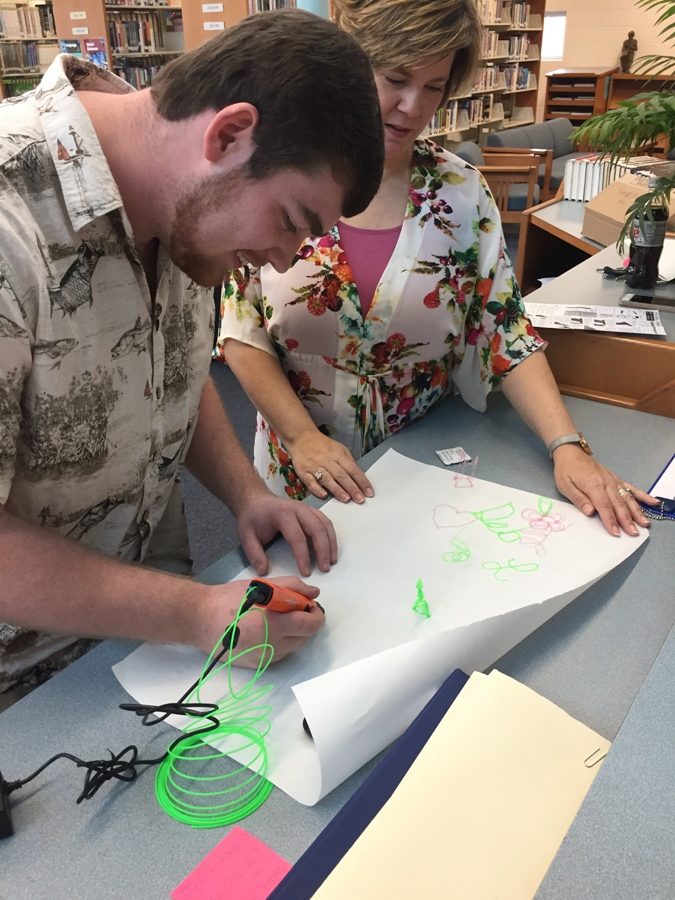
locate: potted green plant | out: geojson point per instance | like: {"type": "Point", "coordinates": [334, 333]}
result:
{"type": "Point", "coordinates": [621, 132]}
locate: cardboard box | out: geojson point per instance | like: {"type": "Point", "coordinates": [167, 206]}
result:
{"type": "Point", "coordinates": [605, 214]}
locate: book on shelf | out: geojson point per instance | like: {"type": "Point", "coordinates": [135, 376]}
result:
{"type": "Point", "coordinates": [463, 115]}
{"type": "Point", "coordinates": [18, 57]}
{"type": "Point", "coordinates": [131, 3]}
{"type": "Point", "coordinates": [520, 14]}
{"type": "Point", "coordinates": [46, 54]}
{"type": "Point", "coordinates": [23, 21]}
{"type": "Point", "coordinates": [491, 11]}
{"type": "Point", "coordinates": [145, 32]}
{"type": "Point", "coordinates": [518, 77]}
{"type": "Point", "coordinates": [47, 23]}
{"type": "Point", "coordinates": [487, 78]}
{"type": "Point", "coordinates": [10, 26]}
{"type": "Point", "coordinates": [518, 46]}
{"type": "Point", "coordinates": [256, 6]}
{"type": "Point", "coordinates": [139, 71]}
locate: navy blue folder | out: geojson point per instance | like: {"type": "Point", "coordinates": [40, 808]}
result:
{"type": "Point", "coordinates": [321, 857]}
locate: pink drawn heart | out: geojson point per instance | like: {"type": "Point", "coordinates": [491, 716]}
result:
{"type": "Point", "coordinates": [447, 516]}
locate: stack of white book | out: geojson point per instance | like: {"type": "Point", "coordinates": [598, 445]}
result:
{"type": "Point", "coordinates": [586, 176]}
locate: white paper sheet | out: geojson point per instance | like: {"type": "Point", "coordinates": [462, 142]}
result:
{"type": "Point", "coordinates": [495, 564]}
{"type": "Point", "coordinates": [665, 484]}
{"type": "Point", "coordinates": [619, 319]}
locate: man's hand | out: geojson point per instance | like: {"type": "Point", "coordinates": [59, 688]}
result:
{"type": "Point", "coordinates": [594, 488]}
{"type": "Point", "coordinates": [287, 631]}
{"type": "Point", "coordinates": [313, 453]}
{"type": "Point", "coordinates": [264, 515]}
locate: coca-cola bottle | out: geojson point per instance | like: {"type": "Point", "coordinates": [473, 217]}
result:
{"type": "Point", "coordinates": [646, 244]}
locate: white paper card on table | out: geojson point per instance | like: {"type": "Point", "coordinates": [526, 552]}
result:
{"type": "Point", "coordinates": [453, 455]}
{"type": "Point", "coordinates": [495, 563]}
{"type": "Point", "coordinates": [664, 486]}
{"type": "Point", "coordinates": [484, 807]}
{"type": "Point", "coordinates": [595, 318]}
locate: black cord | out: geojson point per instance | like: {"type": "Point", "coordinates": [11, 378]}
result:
{"type": "Point", "coordinates": [99, 771]}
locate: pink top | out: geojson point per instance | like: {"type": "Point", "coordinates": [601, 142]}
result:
{"type": "Point", "coordinates": [368, 251]}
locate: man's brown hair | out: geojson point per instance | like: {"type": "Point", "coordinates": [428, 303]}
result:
{"type": "Point", "coordinates": [312, 86]}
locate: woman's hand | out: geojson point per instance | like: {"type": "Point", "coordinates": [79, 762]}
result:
{"type": "Point", "coordinates": [326, 466]}
{"type": "Point", "coordinates": [594, 488]}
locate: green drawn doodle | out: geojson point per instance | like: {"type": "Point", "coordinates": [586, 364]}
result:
{"type": "Point", "coordinates": [510, 566]}
{"type": "Point", "coordinates": [459, 553]}
{"type": "Point", "coordinates": [420, 606]}
{"type": "Point", "coordinates": [544, 505]}
{"type": "Point", "coordinates": [495, 519]}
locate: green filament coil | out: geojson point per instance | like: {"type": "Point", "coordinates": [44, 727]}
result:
{"type": "Point", "coordinates": [197, 783]}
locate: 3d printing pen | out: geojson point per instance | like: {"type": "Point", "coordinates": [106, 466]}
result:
{"type": "Point", "coordinates": [277, 598]}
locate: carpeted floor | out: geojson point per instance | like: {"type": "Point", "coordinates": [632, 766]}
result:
{"type": "Point", "coordinates": [211, 526]}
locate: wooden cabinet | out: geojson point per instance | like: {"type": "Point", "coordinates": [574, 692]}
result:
{"type": "Point", "coordinates": [576, 94]}
{"type": "Point", "coordinates": [624, 86]}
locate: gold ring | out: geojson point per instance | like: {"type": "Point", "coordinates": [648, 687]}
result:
{"type": "Point", "coordinates": [318, 475]}
{"type": "Point", "coordinates": [625, 492]}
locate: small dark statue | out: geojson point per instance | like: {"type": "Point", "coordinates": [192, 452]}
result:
{"type": "Point", "coordinates": [628, 51]}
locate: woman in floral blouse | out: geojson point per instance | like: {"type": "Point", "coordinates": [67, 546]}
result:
{"type": "Point", "coordinates": [378, 319]}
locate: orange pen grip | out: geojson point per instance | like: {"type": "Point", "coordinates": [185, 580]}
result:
{"type": "Point", "coordinates": [278, 598]}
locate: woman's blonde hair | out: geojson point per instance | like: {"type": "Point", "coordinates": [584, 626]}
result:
{"type": "Point", "coordinates": [398, 33]}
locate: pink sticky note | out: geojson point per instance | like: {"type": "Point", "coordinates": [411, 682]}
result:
{"type": "Point", "coordinates": [240, 867]}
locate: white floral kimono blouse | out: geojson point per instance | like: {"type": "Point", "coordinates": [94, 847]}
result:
{"type": "Point", "coordinates": [447, 311]}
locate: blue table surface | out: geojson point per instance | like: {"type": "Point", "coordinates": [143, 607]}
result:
{"type": "Point", "coordinates": [591, 659]}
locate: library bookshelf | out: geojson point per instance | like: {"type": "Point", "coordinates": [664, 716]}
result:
{"type": "Point", "coordinates": [27, 45]}
{"type": "Point", "coordinates": [134, 39]}
{"type": "Point", "coordinates": [505, 90]}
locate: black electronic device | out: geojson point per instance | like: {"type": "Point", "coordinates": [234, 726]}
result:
{"type": "Point", "coordinates": [6, 829]}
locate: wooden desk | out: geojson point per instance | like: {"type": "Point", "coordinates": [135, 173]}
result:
{"type": "Point", "coordinates": [551, 242]}
{"type": "Point", "coordinates": [633, 372]}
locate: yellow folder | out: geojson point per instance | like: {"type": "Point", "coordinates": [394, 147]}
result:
{"type": "Point", "coordinates": [484, 807]}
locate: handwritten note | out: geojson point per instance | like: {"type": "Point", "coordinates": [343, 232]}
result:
{"type": "Point", "coordinates": [240, 867]}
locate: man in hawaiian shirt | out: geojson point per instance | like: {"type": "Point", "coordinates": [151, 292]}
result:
{"type": "Point", "coordinates": [120, 210]}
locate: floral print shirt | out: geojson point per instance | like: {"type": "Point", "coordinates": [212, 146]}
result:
{"type": "Point", "coordinates": [447, 311]}
{"type": "Point", "coordinates": [99, 382]}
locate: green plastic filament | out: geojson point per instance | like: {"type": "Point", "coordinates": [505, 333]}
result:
{"type": "Point", "coordinates": [196, 783]}
{"type": "Point", "coordinates": [420, 606]}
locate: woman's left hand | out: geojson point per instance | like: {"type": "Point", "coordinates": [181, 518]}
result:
{"type": "Point", "coordinates": [594, 488]}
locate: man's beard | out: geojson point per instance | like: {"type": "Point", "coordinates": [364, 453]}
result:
{"type": "Point", "coordinates": [191, 210]}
